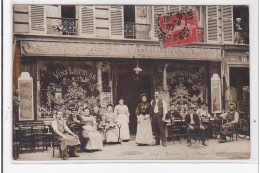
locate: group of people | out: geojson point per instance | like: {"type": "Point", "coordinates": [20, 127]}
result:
{"type": "Point", "coordinates": [152, 118]}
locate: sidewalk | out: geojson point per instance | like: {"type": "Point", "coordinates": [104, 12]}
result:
{"type": "Point", "coordinates": [239, 149]}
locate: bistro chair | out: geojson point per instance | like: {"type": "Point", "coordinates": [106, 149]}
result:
{"type": "Point", "coordinates": [55, 143]}
{"type": "Point", "coordinates": [40, 136]}
{"type": "Point", "coordinates": [25, 138]}
{"type": "Point", "coordinates": [205, 122]}
{"type": "Point", "coordinates": [194, 134]}
{"type": "Point", "coordinates": [233, 132]}
{"type": "Point", "coordinates": [77, 130]}
{"type": "Point", "coordinates": [174, 130]}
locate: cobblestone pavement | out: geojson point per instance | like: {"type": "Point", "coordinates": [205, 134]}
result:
{"type": "Point", "coordinates": [239, 149]}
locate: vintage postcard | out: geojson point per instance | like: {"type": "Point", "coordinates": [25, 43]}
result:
{"type": "Point", "coordinates": [131, 82]}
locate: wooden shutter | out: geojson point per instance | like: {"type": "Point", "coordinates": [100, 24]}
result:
{"type": "Point", "coordinates": [116, 22]}
{"type": "Point", "coordinates": [86, 20]}
{"type": "Point", "coordinates": [37, 20]}
{"type": "Point", "coordinates": [212, 24]}
{"type": "Point", "coordinates": [227, 24]}
{"type": "Point", "coordinates": [173, 8]}
{"type": "Point", "coordinates": [157, 10]}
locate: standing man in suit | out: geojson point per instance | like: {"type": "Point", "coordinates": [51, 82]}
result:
{"type": "Point", "coordinates": [158, 117]}
{"type": "Point", "coordinates": [193, 123]}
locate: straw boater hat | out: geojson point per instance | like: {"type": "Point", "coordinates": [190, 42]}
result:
{"type": "Point", "coordinates": [232, 103]}
{"type": "Point", "coordinates": [143, 94]}
{"type": "Point", "coordinates": [73, 109]}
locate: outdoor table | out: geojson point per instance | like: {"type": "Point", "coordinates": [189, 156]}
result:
{"type": "Point", "coordinates": [105, 127]}
{"type": "Point", "coordinates": [33, 132]}
{"type": "Point", "coordinates": [216, 124]}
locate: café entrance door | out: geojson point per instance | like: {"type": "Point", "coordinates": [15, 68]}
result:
{"type": "Point", "coordinates": [130, 89]}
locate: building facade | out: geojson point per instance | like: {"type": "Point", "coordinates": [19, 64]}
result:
{"type": "Point", "coordinates": [86, 55]}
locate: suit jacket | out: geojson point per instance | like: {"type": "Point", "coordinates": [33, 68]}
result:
{"type": "Point", "coordinates": [196, 119]}
{"type": "Point", "coordinates": [69, 120]}
{"type": "Point", "coordinates": [174, 114]}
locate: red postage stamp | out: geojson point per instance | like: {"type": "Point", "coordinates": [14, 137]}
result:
{"type": "Point", "coordinates": [178, 28]}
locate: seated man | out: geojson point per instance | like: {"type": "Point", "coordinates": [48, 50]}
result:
{"type": "Point", "coordinates": [203, 111]}
{"type": "Point", "coordinates": [231, 118]}
{"type": "Point", "coordinates": [205, 118]}
{"type": "Point", "coordinates": [173, 113]}
{"type": "Point", "coordinates": [73, 118]}
{"type": "Point", "coordinates": [66, 136]}
{"type": "Point", "coordinates": [193, 123]}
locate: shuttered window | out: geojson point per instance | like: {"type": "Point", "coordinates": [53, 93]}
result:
{"type": "Point", "coordinates": [116, 21]}
{"type": "Point", "coordinates": [227, 24]}
{"type": "Point", "coordinates": [87, 20]}
{"type": "Point", "coordinates": [173, 8]}
{"type": "Point", "coordinates": [37, 19]}
{"type": "Point", "coordinates": [212, 24]}
{"type": "Point", "coordinates": [157, 10]}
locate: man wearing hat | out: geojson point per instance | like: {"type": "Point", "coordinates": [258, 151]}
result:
{"type": "Point", "coordinates": [193, 123]}
{"type": "Point", "coordinates": [173, 113]}
{"type": "Point", "coordinates": [73, 118]}
{"type": "Point", "coordinates": [158, 117]}
{"type": "Point", "coordinates": [231, 118]}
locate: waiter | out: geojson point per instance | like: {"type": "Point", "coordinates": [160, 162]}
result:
{"type": "Point", "coordinates": [158, 117]}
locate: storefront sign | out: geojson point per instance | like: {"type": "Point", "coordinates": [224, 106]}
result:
{"type": "Point", "coordinates": [216, 105]}
{"type": "Point", "coordinates": [116, 50]}
{"type": "Point", "coordinates": [178, 28]}
{"type": "Point", "coordinates": [105, 99]}
{"type": "Point", "coordinates": [25, 87]}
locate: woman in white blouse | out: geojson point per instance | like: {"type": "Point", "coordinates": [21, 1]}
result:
{"type": "Point", "coordinates": [122, 113]}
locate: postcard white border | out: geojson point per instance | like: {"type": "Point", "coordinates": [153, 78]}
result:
{"type": "Point", "coordinates": [30, 166]}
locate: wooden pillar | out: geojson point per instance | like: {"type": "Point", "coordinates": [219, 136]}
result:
{"type": "Point", "coordinates": [99, 76]}
{"type": "Point", "coordinates": [165, 87]}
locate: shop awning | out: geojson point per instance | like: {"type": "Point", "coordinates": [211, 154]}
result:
{"type": "Point", "coordinates": [117, 50]}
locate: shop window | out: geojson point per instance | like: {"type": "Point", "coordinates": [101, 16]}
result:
{"type": "Point", "coordinates": [64, 84]}
{"type": "Point", "coordinates": [186, 86]}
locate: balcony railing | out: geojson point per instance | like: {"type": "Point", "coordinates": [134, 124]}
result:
{"type": "Point", "coordinates": [62, 26]}
{"type": "Point", "coordinates": [137, 31]}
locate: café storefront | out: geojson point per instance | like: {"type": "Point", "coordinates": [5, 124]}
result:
{"type": "Point", "coordinates": [91, 73]}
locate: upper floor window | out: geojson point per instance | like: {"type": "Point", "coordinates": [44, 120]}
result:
{"type": "Point", "coordinates": [136, 22]}
{"type": "Point", "coordinates": [61, 20]}
{"type": "Point", "coordinates": [241, 24]}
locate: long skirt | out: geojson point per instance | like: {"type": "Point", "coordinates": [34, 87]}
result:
{"type": "Point", "coordinates": [144, 133]}
{"type": "Point", "coordinates": [123, 120]}
{"type": "Point", "coordinates": [95, 141]}
{"type": "Point", "coordinates": [70, 141]}
{"type": "Point", "coordinates": [112, 134]}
